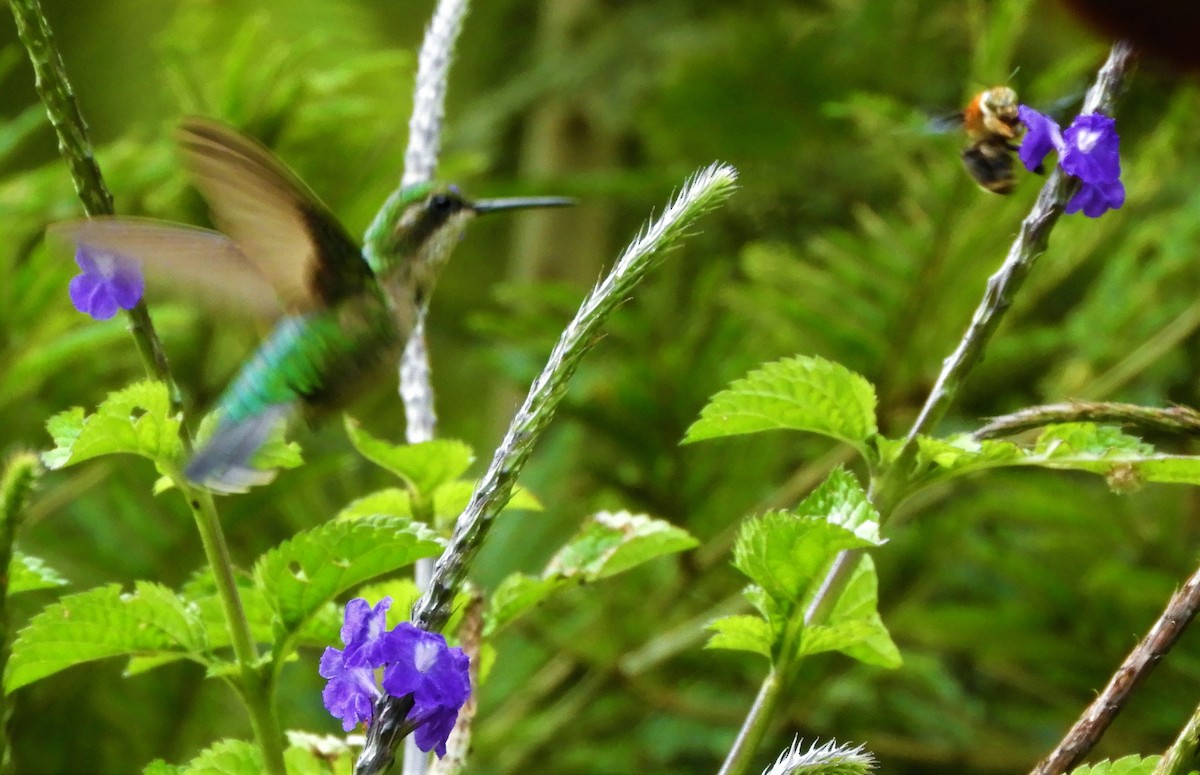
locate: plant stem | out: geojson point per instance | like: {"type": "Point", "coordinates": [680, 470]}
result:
{"type": "Point", "coordinates": [1173, 419]}
{"type": "Point", "coordinates": [1086, 732]}
{"type": "Point", "coordinates": [256, 685]}
{"type": "Point", "coordinates": [755, 726]}
{"type": "Point", "coordinates": [19, 477]}
{"type": "Point", "coordinates": [76, 148]}
{"type": "Point", "coordinates": [890, 488]}
{"type": "Point", "coordinates": [1180, 759]}
{"type": "Point", "coordinates": [705, 190]}
{"type": "Point", "coordinates": [1030, 243]}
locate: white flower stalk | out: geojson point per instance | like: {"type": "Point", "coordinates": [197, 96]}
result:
{"type": "Point", "coordinates": [828, 759]}
{"type": "Point", "coordinates": [429, 99]}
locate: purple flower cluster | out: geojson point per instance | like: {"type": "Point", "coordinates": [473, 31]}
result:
{"type": "Point", "coordinates": [107, 282]}
{"type": "Point", "coordinates": [415, 664]}
{"type": "Point", "coordinates": [1088, 150]}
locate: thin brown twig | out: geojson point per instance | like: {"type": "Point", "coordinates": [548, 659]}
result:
{"type": "Point", "coordinates": [1086, 732]}
{"type": "Point", "coordinates": [1172, 419]}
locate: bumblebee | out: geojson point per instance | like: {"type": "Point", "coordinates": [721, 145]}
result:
{"type": "Point", "coordinates": [993, 127]}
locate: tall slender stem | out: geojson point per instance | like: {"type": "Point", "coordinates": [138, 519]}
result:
{"type": "Point", "coordinates": [891, 487]}
{"type": "Point", "coordinates": [76, 148]}
{"type": "Point", "coordinates": [705, 190]}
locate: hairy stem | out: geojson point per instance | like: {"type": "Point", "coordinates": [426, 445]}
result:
{"type": "Point", "coordinates": [76, 148]}
{"type": "Point", "coordinates": [420, 166]}
{"type": "Point", "coordinates": [1173, 419]}
{"type": "Point", "coordinates": [1086, 732]}
{"type": "Point", "coordinates": [891, 487]}
{"type": "Point", "coordinates": [704, 191]}
{"type": "Point", "coordinates": [755, 727]}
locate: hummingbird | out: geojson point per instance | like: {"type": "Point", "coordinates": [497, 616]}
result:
{"type": "Point", "coordinates": [342, 309]}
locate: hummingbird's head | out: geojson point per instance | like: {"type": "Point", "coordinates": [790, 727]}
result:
{"type": "Point", "coordinates": [433, 218]}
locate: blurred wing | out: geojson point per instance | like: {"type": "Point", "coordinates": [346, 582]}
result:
{"type": "Point", "coordinates": [945, 124]}
{"type": "Point", "coordinates": [205, 262]}
{"type": "Point", "coordinates": [278, 223]}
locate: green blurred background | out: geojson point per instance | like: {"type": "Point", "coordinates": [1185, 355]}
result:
{"type": "Point", "coordinates": [855, 235]}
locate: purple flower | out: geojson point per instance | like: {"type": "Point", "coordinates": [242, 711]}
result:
{"type": "Point", "coordinates": [1042, 137]}
{"type": "Point", "coordinates": [416, 664]}
{"type": "Point", "coordinates": [108, 282]}
{"type": "Point", "coordinates": [363, 632]}
{"type": "Point", "coordinates": [1088, 150]}
{"type": "Point", "coordinates": [435, 675]}
{"type": "Point", "coordinates": [1092, 148]}
{"type": "Point", "coordinates": [351, 692]}
{"type": "Point", "coordinates": [1097, 198]}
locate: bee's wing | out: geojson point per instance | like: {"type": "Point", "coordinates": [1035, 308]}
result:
{"type": "Point", "coordinates": [945, 123]}
{"type": "Point", "coordinates": [276, 221]}
{"type": "Point", "coordinates": [204, 262]}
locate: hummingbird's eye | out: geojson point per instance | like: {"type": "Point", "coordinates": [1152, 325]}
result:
{"type": "Point", "coordinates": [442, 204]}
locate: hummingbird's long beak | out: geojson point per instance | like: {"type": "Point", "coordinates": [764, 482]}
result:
{"type": "Point", "coordinates": [518, 202]}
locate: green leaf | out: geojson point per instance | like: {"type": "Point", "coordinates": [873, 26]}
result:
{"type": "Point", "coordinates": [27, 574]}
{"type": "Point", "coordinates": [227, 757]}
{"type": "Point", "coordinates": [607, 544]}
{"type": "Point", "coordinates": [1085, 438]}
{"type": "Point", "coordinates": [805, 393]}
{"type": "Point", "coordinates": [101, 623]}
{"type": "Point", "coordinates": [307, 571]}
{"type": "Point", "coordinates": [612, 542]}
{"type": "Point", "coordinates": [1124, 460]}
{"type": "Point", "coordinates": [392, 502]}
{"type": "Point", "coordinates": [422, 466]}
{"type": "Point", "coordinates": [742, 633]}
{"type": "Point", "coordinates": [1128, 765]}
{"type": "Point", "coordinates": [783, 552]}
{"type": "Point", "coordinates": [159, 767]}
{"type": "Point", "coordinates": [515, 595]}
{"type": "Point", "coordinates": [859, 605]}
{"type": "Point", "coordinates": [841, 500]}
{"type": "Point", "coordinates": [135, 420]}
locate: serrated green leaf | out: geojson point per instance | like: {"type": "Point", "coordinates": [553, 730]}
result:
{"type": "Point", "coordinates": [841, 500]}
{"type": "Point", "coordinates": [1085, 438]}
{"type": "Point", "coordinates": [310, 569]}
{"type": "Point", "coordinates": [138, 665]}
{"type": "Point", "coordinates": [27, 574]}
{"type": "Point", "coordinates": [783, 552]}
{"type": "Point", "coordinates": [159, 767]}
{"type": "Point", "coordinates": [1124, 460]}
{"type": "Point", "coordinates": [1128, 765]}
{"type": "Point", "coordinates": [742, 633]}
{"type": "Point", "coordinates": [962, 453]}
{"type": "Point", "coordinates": [819, 638]}
{"type": "Point", "coordinates": [227, 757]}
{"type": "Point", "coordinates": [422, 466]}
{"type": "Point", "coordinates": [859, 603]}
{"type": "Point", "coordinates": [392, 502]}
{"type": "Point", "coordinates": [805, 393]}
{"type": "Point", "coordinates": [612, 542]}
{"type": "Point", "coordinates": [515, 595]}
{"type": "Point", "coordinates": [135, 420]}
{"type": "Point", "coordinates": [101, 623]}
{"type": "Point", "coordinates": [607, 544]}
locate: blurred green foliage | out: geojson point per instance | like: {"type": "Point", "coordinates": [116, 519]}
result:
{"type": "Point", "coordinates": [856, 236]}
